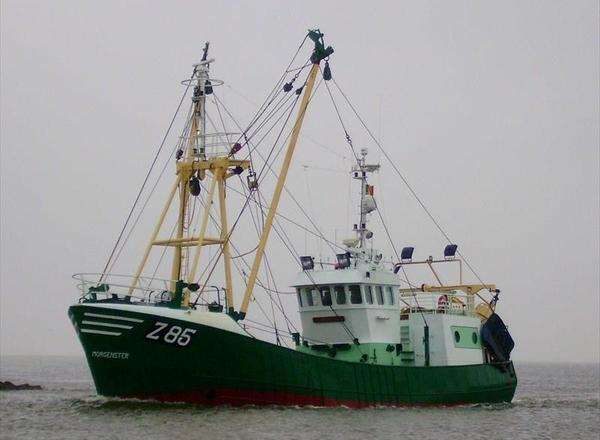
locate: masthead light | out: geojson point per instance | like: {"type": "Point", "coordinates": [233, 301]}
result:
{"type": "Point", "coordinates": [307, 262]}
{"type": "Point", "coordinates": [450, 251]}
{"type": "Point", "coordinates": [407, 253]}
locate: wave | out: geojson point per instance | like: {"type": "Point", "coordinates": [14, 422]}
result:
{"type": "Point", "coordinates": [112, 403]}
{"type": "Point", "coordinates": [557, 402]}
{"type": "Point", "coordinates": [95, 402]}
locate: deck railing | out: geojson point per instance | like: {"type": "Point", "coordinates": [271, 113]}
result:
{"type": "Point", "coordinates": [94, 287]}
{"type": "Point", "coordinates": [456, 303]}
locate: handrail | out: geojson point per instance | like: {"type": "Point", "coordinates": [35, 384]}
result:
{"type": "Point", "coordinates": [118, 287]}
{"type": "Point", "coordinates": [441, 302]}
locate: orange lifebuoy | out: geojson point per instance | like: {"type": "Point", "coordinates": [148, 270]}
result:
{"type": "Point", "coordinates": [442, 303]}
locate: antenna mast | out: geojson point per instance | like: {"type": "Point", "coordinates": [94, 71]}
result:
{"type": "Point", "coordinates": [367, 200]}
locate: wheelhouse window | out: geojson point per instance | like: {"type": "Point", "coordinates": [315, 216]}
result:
{"type": "Point", "coordinates": [368, 295]}
{"type": "Point", "coordinates": [308, 295]}
{"type": "Point", "coordinates": [325, 295]}
{"type": "Point", "coordinates": [355, 295]}
{"type": "Point", "coordinates": [340, 294]}
{"type": "Point", "coordinates": [391, 296]}
{"type": "Point", "coordinates": [316, 297]}
{"type": "Point", "coordinates": [299, 294]}
{"type": "Point", "coordinates": [379, 295]}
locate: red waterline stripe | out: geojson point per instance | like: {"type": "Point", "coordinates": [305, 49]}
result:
{"type": "Point", "coordinates": [235, 397]}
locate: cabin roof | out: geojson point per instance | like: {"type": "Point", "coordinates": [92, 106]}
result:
{"type": "Point", "coordinates": [346, 276]}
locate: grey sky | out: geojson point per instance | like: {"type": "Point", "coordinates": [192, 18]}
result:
{"type": "Point", "coordinates": [489, 108]}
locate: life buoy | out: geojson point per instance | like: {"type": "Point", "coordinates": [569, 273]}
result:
{"type": "Point", "coordinates": [442, 303]}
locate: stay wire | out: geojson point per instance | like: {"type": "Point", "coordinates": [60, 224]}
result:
{"type": "Point", "coordinates": [266, 161]}
{"type": "Point", "coordinates": [148, 197]}
{"type": "Point", "coordinates": [296, 256]}
{"type": "Point", "coordinates": [108, 262]}
{"type": "Point", "coordinates": [245, 205]}
{"type": "Point", "coordinates": [410, 188]}
{"type": "Point", "coordinates": [229, 235]}
{"type": "Point", "coordinates": [268, 266]}
{"type": "Point", "coordinates": [410, 285]}
{"type": "Point", "coordinates": [337, 111]}
{"type": "Point", "coordinates": [139, 194]}
{"type": "Point", "coordinates": [214, 259]}
{"type": "Point", "coordinates": [290, 194]}
{"type": "Point", "coordinates": [277, 88]}
{"type": "Point", "coordinates": [234, 224]}
{"type": "Point", "coordinates": [301, 208]}
{"type": "Point", "coordinates": [268, 270]}
{"type": "Point", "coordinates": [389, 237]}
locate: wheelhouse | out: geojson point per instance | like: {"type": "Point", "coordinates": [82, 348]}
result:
{"type": "Point", "coordinates": [346, 296]}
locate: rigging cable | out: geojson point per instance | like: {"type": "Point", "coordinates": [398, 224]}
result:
{"type": "Point", "coordinates": [214, 258]}
{"type": "Point", "coordinates": [137, 198]}
{"type": "Point", "coordinates": [350, 144]}
{"type": "Point", "coordinates": [412, 191]}
{"type": "Point", "coordinates": [310, 138]}
{"type": "Point", "coordinates": [142, 209]}
{"type": "Point", "coordinates": [268, 100]}
{"type": "Point", "coordinates": [120, 236]}
{"type": "Point", "coordinates": [108, 269]}
{"type": "Point", "coordinates": [243, 207]}
{"type": "Point", "coordinates": [292, 250]}
{"type": "Point", "coordinates": [290, 194]}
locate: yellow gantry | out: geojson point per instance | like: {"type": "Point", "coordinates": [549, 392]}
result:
{"type": "Point", "coordinates": [260, 251]}
{"type": "Point", "coordinates": [220, 169]}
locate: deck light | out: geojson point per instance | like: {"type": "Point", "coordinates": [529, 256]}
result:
{"type": "Point", "coordinates": [407, 253]}
{"type": "Point", "coordinates": [343, 260]}
{"type": "Point", "coordinates": [307, 262]}
{"type": "Point", "coordinates": [450, 251]}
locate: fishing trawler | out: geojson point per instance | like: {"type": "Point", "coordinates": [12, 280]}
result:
{"type": "Point", "coordinates": [370, 335]}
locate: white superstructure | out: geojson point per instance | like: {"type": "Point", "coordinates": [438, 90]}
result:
{"type": "Point", "coordinates": [357, 304]}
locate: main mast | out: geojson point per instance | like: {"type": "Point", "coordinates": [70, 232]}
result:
{"type": "Point", "coordinates": [194, 165]}
{"type": "Point", "coordinates": [196, 149]}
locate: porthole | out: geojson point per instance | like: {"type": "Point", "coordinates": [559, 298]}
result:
{"type": "Point", "coordinates": [456, 337]}
{"type": "Point", "coordinates": [475, 338]}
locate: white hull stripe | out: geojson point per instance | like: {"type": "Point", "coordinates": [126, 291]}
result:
{"type": "Point", "coordinates": [107, 324]}
{"type": "Point", "coordinates": [122, 318]}
{"type": "Point", "coordinates": [100, 332]}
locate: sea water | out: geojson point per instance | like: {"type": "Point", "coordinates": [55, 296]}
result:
{"type": "Point", "coordinates": [553, 401]}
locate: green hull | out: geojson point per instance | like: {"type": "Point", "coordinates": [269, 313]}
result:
{"type": "Point", "coordinates": [222, 367]}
